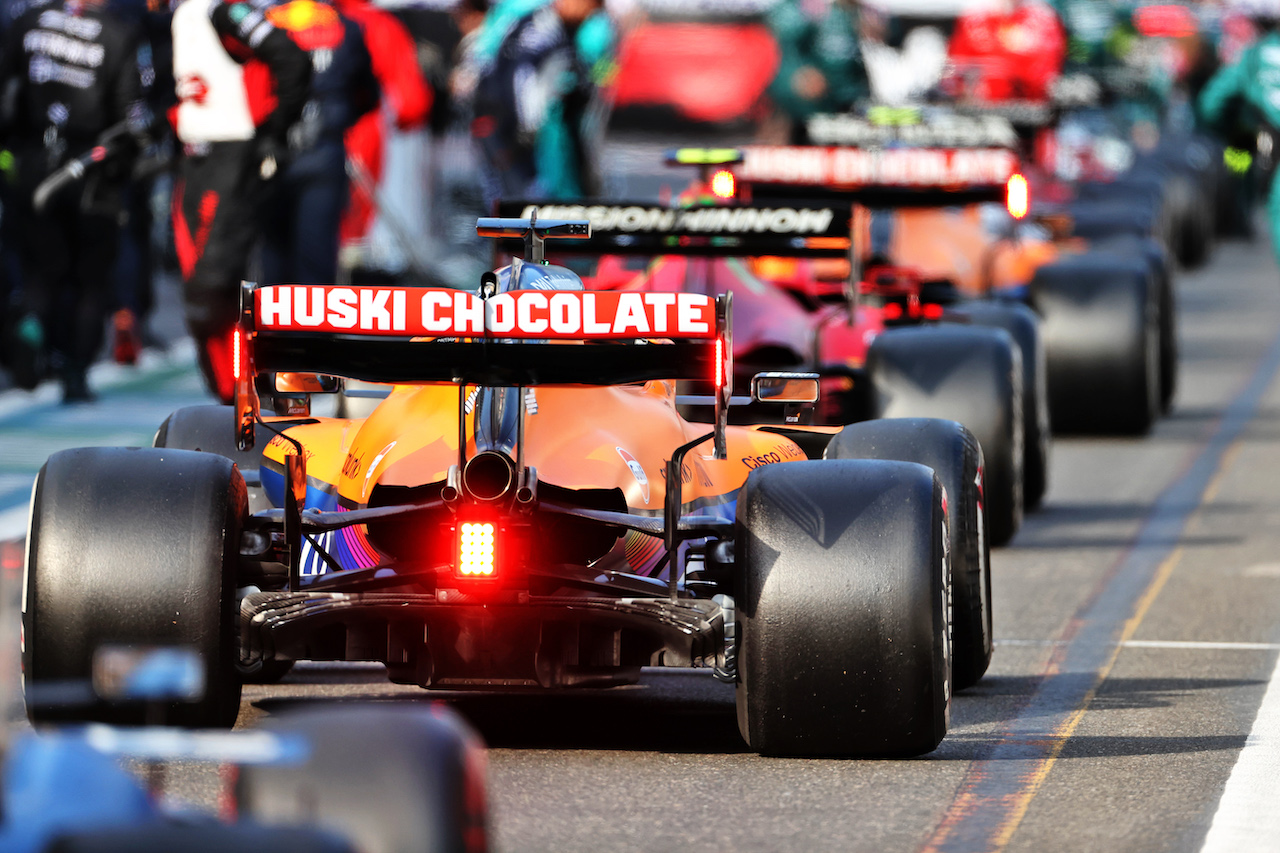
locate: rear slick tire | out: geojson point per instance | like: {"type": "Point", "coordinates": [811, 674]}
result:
{"type": "Point", "coordinates": [841, 596]}
{"type": "Point", "coordinates": [1023, 326]}
{"type": "Point", "coordinates": [133, 546]}
{"type": "Point", "coordinates": [968, 374]}
{"type": "Point", "coordinates": [1102, 324]}
{"type": "Point", "coordinates": [955, 457]}
{"type": "Point", "coordinates": [211, 429]}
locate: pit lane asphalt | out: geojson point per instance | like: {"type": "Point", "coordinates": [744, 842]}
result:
{"type": "Point", "coordinates": [1073, 741]}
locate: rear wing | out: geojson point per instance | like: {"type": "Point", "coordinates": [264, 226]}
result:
{"type": "Point", "coordinates": [782, 227]}
{"type": "Point", "coordinates": [907, 127]}
{"type": "Point", "coordinates": [880, 177]}
{"type": "Point", "coordinates": [413, 335]}
{"type": "Point", "coordinates": [892, 157]}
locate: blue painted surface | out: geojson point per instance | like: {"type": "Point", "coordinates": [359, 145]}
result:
{"type": "Point", "coordinates": [55, 783]}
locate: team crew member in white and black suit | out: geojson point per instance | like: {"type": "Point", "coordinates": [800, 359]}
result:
{"type": "Point", "coordinates": [241, 85]}
{"type": "Point", "coordinates": [68, 71]}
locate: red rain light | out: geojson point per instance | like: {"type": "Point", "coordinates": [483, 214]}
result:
{"type": "Point", "coordinates": [476, 546]}
{"type": "Point", "coordinates": [719, 363]}
{"type": "Point", "coordinates": [1017, 196]}
{"type": "Point", "coordinates": [237, 347]}
{"type": "Point", "coordinates": [723, 184]}
{"type": "Point", "coordinates": [892, 311]}
{"type": "Point", "coordinates": [933, 311]}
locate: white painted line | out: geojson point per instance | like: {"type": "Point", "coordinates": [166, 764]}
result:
{"type": "Point", "coordinates": [1213, 647]}
{"type": "Point", "coordinates": [1194, 645]}
{"type": "Point", "coordinates": [1247, 820]}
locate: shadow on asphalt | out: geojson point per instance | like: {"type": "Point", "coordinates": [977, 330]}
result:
{"type": "Point", "coordinates": [1000, 698]}
{"type": "Point", "coordinates": [1087, 513]}
{"type": "Point", "coordinates": [979, 748]}
{"type": "Point", "coordinates": [1127, 693]}
{"type": "Point", "coordinates": [1118, 542]}
{"type": "Point", "coordinates": [1102, 746]}
{"type": "Point", "coordinates": [622, 719]}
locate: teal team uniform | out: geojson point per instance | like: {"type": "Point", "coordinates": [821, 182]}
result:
{"type": "Point", "coordinates": [1254, 80]}
{"type": "Point", "coordinates": [828, 44]}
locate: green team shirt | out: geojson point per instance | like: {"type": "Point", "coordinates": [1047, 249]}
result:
{"type": "Point", "coordinates": [828, 44]}
{"type": "Point", "coordinates": [1254, 77]}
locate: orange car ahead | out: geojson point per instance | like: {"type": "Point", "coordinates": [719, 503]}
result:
{"type": "Point", "coordinates": [1106, 307]}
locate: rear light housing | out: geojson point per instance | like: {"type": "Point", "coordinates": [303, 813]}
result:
{"type": "Point", "coordinates": [723, 184]}
{"type": "Point", "coordinates": [477, 550]}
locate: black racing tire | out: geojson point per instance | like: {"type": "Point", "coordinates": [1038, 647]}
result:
{"type": "Point", "coordinates": [389, 779]}
{"type": "Point", "coordinates": [1095, 219]}
{"type": "Point", "coordinates": [1023, 326]}
{"type": "Point", "coordinates": [1101, 318]}
{"type": "Point", "coordinates": [1169, 367]}
{"type": "Point", "coordinates": [955, 457]}
{"type": "Point", "coordinates": [1161, 267]}
{"type": "Point", "coordinates": [1188, 209]}
{"type": "Point", "coordinates": [134, 546]}
{"type": "Point", "coordinates": [961, 373]}
{"type": "Point", "coordinates": [841, 591]}
{"type": "Point", "coordinates": [211, 429]}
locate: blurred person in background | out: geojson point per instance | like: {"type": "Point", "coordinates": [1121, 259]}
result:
{"type": "Point", "coordinates": [593, 38]}
{"type": "Point", "coordinates": [1013, 52]}
{"type": "Point", "coordinates": [70, 71]}
{"type": "Point", "coordinates": [821, 68]}
{"type": "Point", "coordinates": [302, 213]}
{"type": "Point", "coordinates": [241, 84]}
{"type": "Point", "coordinates": [10, 230]}
{"type": "Point", "coordinates": [132, 289]}
{"type": "Point", "coordinates": [1243, 99]}
{"type": "Point", "coordinates": [406, 100]}
{"type": "Point", "coordinates": [536, 119]}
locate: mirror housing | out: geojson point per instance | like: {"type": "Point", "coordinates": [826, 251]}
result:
{"type": "Point", "coordinates": [293, 384]}
{"type": "Point", "coordinates": [797, 392]}
{"type": "Point", "coordinates": [785, 388]}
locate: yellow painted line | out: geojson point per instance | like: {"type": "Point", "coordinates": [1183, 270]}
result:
{"type": "Point", "coordinates": [988, 793]}
{"type": "Point", "coordinates": [1228, 459]}
{"type": "Point", "coordinates": [1064, 732]}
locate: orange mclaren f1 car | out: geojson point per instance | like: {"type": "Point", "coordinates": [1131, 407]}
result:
{"type": "Point", "coordinates": [527, 509]}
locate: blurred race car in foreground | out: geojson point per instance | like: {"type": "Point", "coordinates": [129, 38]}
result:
{"type": "Point", "coordinates": [337, 779]}
{"type": "Point", "coordinates": [527, 509]}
